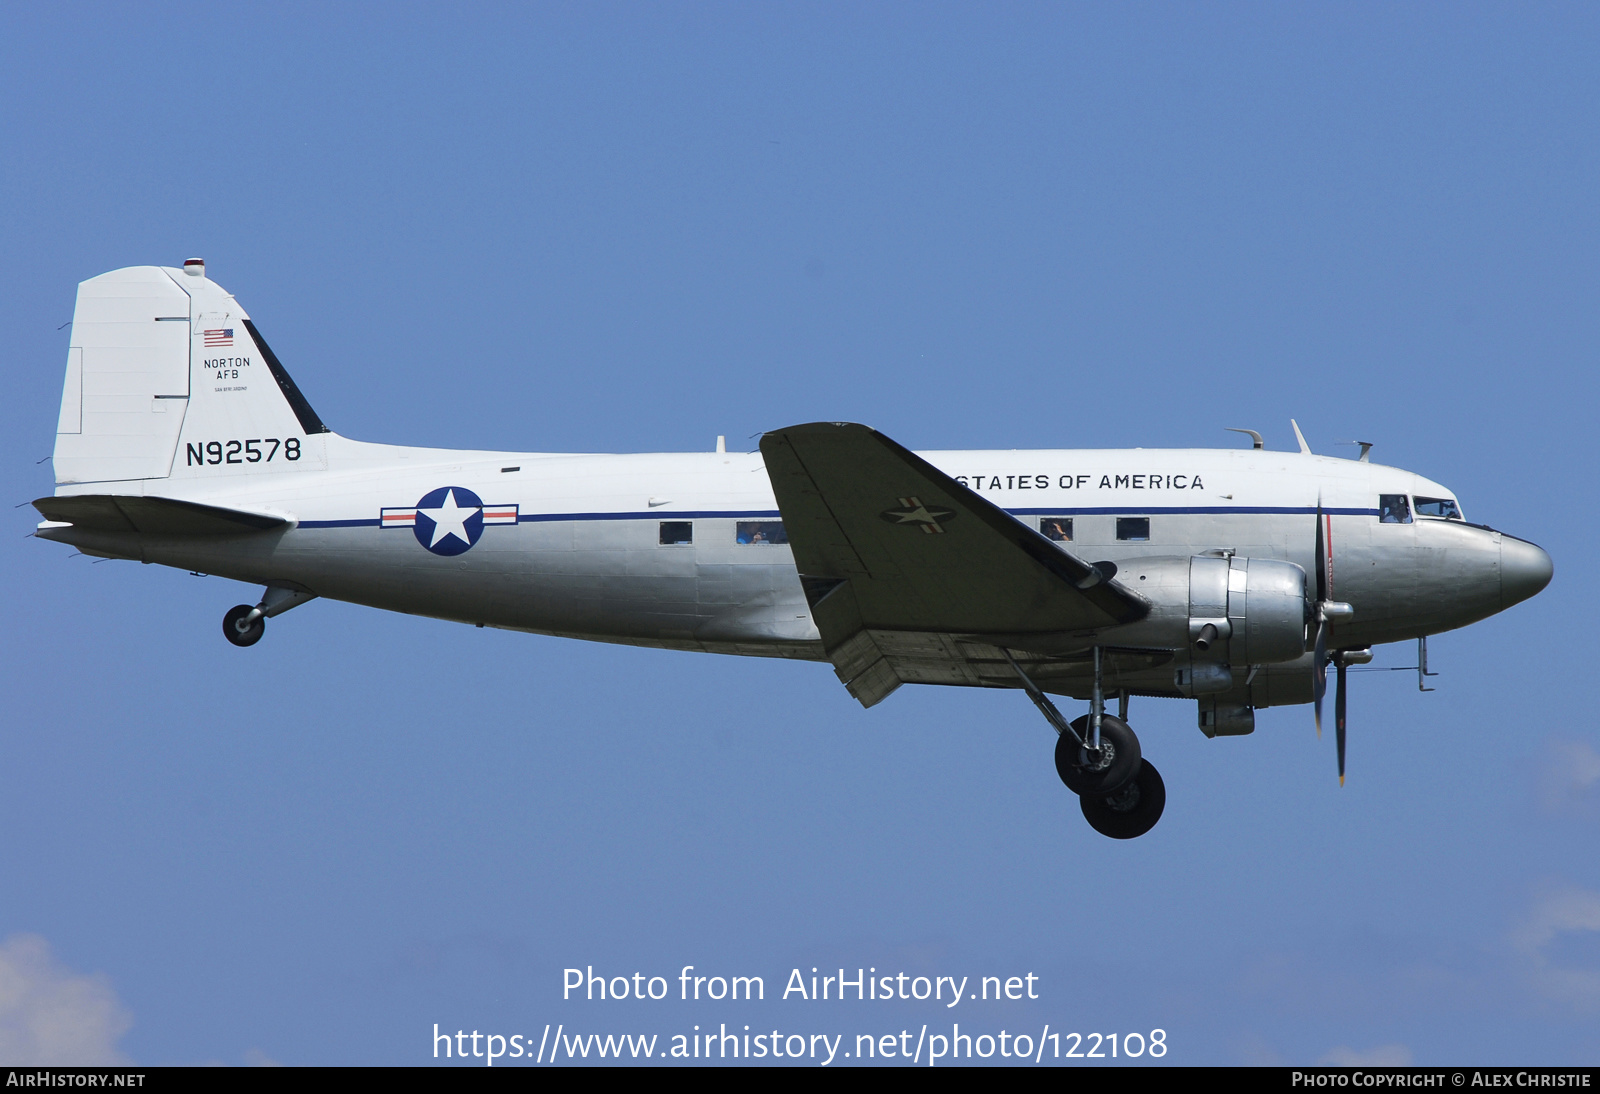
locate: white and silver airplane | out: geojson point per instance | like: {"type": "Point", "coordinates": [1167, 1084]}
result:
{"type": "Point", "coordinates": [1232, 577]}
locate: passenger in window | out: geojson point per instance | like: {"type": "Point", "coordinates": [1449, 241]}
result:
{"type": "Point", "coordinates": [759, 533]}
{"type": "Point", "coordinates": [1394, 509]}
{"type": "Point", "coordinates": [1057, 528]}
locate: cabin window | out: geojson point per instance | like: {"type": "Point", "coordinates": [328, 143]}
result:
{"type": "Point", "coordinates": [1056, 528]}
{"type": "Point", "coordinates": [1133, 529]}
{"type": "Point", "coordinates": [755, 533]}
{"type": "Point", "coordinates": [1394, 509]}
{"type": "Point", "coordinates": [677, 533]}
{"type": "Point", "coordinates": [1438, 507]}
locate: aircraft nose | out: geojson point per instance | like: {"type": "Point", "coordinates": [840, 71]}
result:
{"type": "Point", "coordinates": [1524, 570]}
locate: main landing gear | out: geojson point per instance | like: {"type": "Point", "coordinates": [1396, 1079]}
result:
{"type": "Point", "coordinates": [1098, 757]}
{"type": "Point", "coordinates": [244, 625]}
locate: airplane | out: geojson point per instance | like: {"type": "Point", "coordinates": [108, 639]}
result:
{"type": "Point", "coordinates": [1231, 577]}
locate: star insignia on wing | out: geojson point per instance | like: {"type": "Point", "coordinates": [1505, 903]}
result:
{"type": "Point", "coordinates": [930, 518]}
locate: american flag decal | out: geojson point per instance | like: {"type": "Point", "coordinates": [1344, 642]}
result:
{"type": "Point", "coordinates": [223, 337]}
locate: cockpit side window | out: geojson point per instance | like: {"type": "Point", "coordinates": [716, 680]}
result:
{"type": "Point", "coordinates": [1394, 509]}
{"type": "Point", "coordinates": [1438, 507]}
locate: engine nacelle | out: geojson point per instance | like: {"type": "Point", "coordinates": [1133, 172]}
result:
{"type": "Point", "coordinates": [1220, 612]}
{"type": "Point", "coordinates": [1268, 605]}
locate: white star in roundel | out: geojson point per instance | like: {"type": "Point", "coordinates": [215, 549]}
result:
{"type": "Point", "coordinates": [450, 519]}
{"type": "Point", "coordinates": [914, 513]}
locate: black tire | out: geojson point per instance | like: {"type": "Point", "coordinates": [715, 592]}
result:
{"type": "Point", "coordinates": [1134, 811]}
{"type": "Point", "coordinates": [250, 635]}
{"type": "Point", "coordinates": [1114, 769]}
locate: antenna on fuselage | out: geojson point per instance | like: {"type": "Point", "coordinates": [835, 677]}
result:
{"type": "Point", "coordinates": [1305, 449]}
{"type": "Point", "coordinates": [1254, 436]}
{"type": "Point", "coordinates": [1366, 450]}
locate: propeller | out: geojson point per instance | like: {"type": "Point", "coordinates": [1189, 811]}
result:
{"type": "Point", "coordinates": [1338, 710]}
{"type": "Point", "coordinates": [1319, 624]}
{"type": "Point", "coordinates": [1327, 610]}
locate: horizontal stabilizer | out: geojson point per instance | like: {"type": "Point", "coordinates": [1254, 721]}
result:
{"type": "Point", "coordinates": [154, 516]}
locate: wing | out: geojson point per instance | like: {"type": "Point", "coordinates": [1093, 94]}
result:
{"type": "Point", "coordinates": [913, 577]}
{"type": "Point", "coordinates": [153, 516]}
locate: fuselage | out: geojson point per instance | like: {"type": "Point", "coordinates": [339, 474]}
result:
{"type": "Point", "coordinates": [686, 550]}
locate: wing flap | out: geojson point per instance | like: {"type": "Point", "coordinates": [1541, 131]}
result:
{"type": "Point", "coordinates": [136, 514]}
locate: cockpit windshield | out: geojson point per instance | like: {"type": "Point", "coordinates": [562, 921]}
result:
{"type": "Point", "coordinates": [1438, 507]}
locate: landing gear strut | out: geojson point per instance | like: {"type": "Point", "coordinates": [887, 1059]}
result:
{"type": "Point", "coordinates": [1098, 758]}
{"type": "Point", "coordinates": [244, 625]}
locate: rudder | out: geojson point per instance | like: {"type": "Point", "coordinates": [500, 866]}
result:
{"type": "Point", "coordinates": [127, 384]}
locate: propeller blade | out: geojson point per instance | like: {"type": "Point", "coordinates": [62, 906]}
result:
{"type": "Point", "coordinates": [1338, 713]}
{"type": "Point", "coordinates": [1319, 636]}
{"type": "Point", "coordinates": [1319, 670]}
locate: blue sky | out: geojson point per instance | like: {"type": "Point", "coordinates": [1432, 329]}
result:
{"type": "Point", "coordinates": [633, 228]}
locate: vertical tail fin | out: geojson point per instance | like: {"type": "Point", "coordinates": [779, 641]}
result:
{"type": "Point", "coordinates": [167, 377]}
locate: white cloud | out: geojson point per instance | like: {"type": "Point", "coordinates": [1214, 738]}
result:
{"type": "Point", "coordinates": [50, 1015]}
{"type": "Point", "coordinates": [1382, 1056]}
{"type": "Point", "coordinates": [1559, 911]}
{"type": "Point", "coordinates": [1571, 770]}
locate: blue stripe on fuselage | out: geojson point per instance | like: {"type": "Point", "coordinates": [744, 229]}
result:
{"type": "Point", "coordinates": [773, 514]}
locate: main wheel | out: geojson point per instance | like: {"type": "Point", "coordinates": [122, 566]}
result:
{"type": "Point", "coordinates": [248, 635]}
{"type": "Point", "coordinates": [1088, 775]}
{"type": "Point", "coordinates": [1134, 811]}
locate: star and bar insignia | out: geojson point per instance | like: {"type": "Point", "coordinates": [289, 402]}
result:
{"type": "Point", "coordinates": [449, 520]}
{"type": "Point", "coordinates": [930, 518]}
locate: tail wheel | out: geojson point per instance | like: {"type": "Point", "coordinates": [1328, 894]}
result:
{"type": "Point", "coordinates": [1097, 776]}
{"type": "Point", "coordinates": [1131, 812]}
{"type": "Point", "coordinates": [249, 633]}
